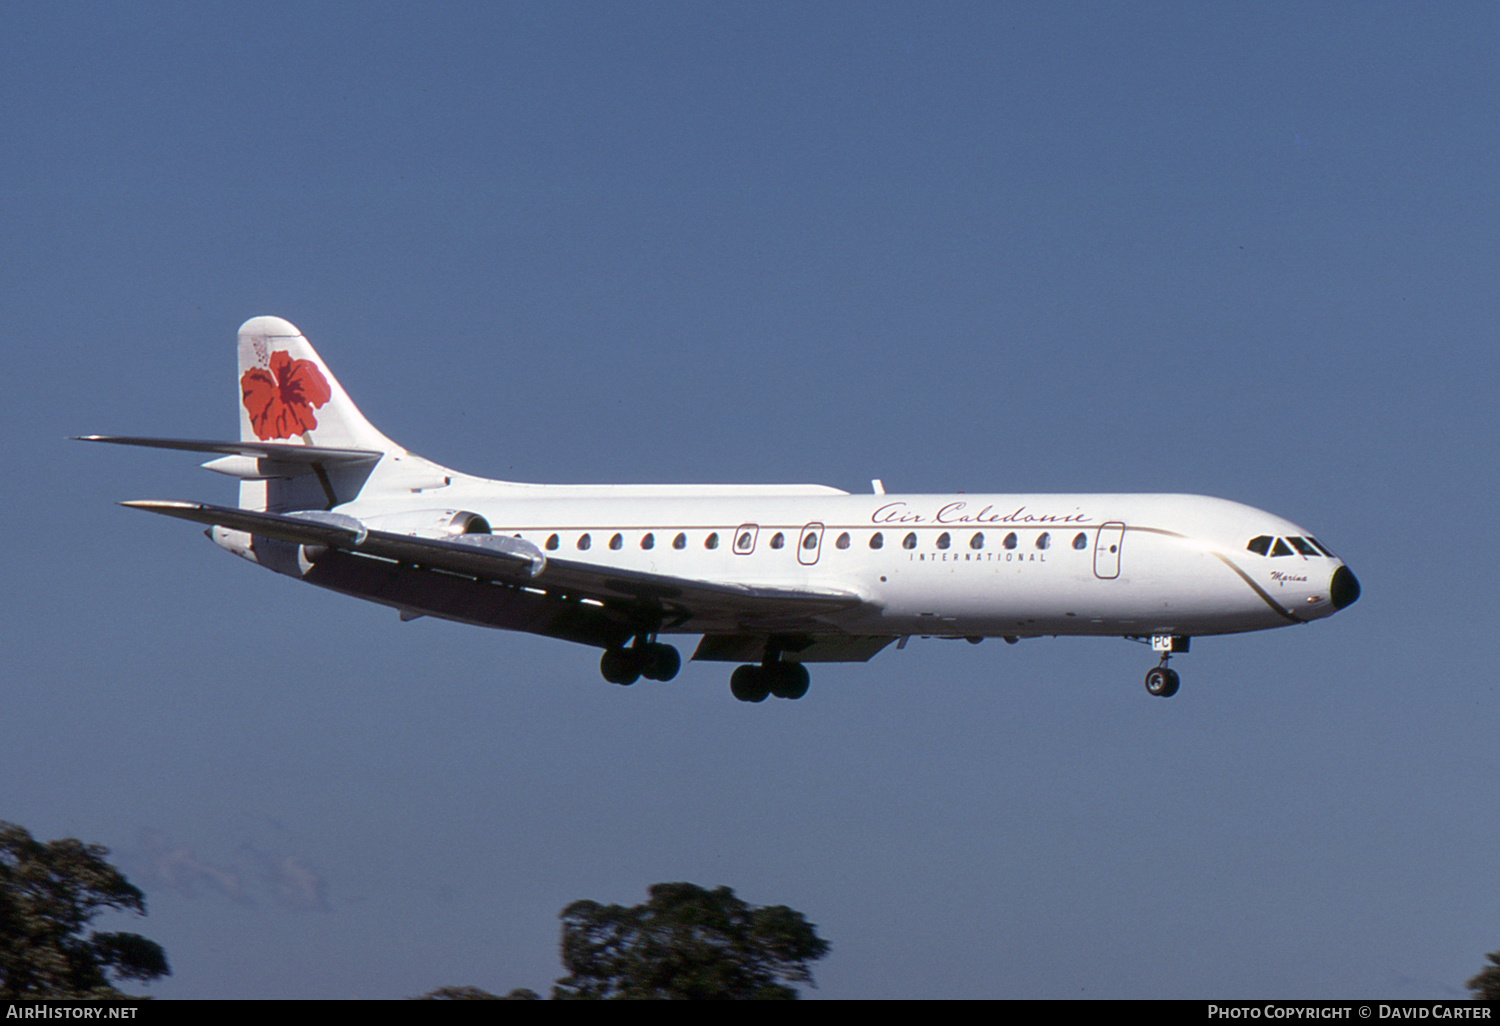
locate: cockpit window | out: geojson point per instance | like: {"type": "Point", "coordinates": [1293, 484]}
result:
{"type": "Point", "coordinates": [1303, 546]}
{"type": "Point", "coordinates": [1260, 544]}
{"type": "Point", "coordinates": [1323, 548]}
{"type": "Point", "coordinates": [1281, 548]}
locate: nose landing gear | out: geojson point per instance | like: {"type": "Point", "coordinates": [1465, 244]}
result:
{"type": "Point", "coordinates": [1163, 681]}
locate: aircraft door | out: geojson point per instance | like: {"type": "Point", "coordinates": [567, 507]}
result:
{"type": "Point", "coordinates": [810, 544]}
{"type": "Point", "coordinates": [1107, 545]}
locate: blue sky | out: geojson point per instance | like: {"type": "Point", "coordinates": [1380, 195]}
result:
{"type": "Point", "coordinates": [1246, 251]}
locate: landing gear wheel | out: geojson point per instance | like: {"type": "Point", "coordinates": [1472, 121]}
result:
{"type": "Point", "coordinates": [620, 666]}
{"type": "Point", "coordinates": [750, 683]}
{"type": "Point", "coordinates": [1162, 682]}
{"type": "Point", "coordinates": [659, 661]}
{"type": "Point", "coordinates": [788, 680]}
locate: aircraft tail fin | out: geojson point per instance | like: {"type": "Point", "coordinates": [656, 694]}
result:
{"type": "Point", "coordinates": [288, 394]}
{"type": "Point", "coordinates": [303, 443]}
{"type": "Point", "coordinates": [289, 399]}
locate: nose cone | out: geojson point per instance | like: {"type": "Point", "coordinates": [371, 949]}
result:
{"type": "Point", "coordinates": [1344, 589]}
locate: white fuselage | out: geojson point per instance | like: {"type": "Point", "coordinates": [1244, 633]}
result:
{"type": "Point", "coordinates": [946, 565]}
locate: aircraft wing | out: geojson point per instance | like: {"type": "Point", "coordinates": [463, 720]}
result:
{"type": "Point", "coordinates": [513, 561]}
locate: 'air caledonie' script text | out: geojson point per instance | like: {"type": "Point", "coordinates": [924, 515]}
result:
{"type": "Point", "coordinates": [953, 513]}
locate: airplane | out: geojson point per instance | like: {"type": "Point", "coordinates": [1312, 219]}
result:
{"type": "Point", "coordinates": [770, 576]}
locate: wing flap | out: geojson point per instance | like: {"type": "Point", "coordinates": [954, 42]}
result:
{"type": "Point", "coordinates": [802, 648]}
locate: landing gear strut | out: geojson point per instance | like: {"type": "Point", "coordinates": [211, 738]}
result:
{"type": "Point", "coordinates": [650, 659]}
{"type": "Point", "coordinates": [1163, 681]}
{"type": "Point", "coordinates": [752, 683]}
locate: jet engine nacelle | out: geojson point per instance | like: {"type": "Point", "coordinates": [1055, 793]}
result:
{"type": "Point", "coordinates": [429, 523]}
{"type": "Point", "coordinates": [445, 525]}
{"type": "Point", "coordinates": [421, 523]}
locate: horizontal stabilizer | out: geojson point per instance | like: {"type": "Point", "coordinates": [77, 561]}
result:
{"type": "Point", "coordinates": [282, 451]}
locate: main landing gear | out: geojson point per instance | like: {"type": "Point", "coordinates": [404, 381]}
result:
{"type": "Point", "coordinates": [752, 683]}
{"type": "Point", "coordinates": [650, 659]}
{"type": "Point", "coordinates": [1163, 681]}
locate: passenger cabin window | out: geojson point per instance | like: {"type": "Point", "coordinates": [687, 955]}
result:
{"type": "Point", "coordinates": [1080, 541]}
{"type": "Point", "coordinates": [877, 540]}
{"type": "Point", "coordinates": [1010, 540]}
{"type": "Point", "coordinates": [680, 542]}
{"type": "Point", "coordinates": [1044, 540]}
{"type": "Point", "coordinates": [553, 541]}
{"type": "Point", "coordinates": [843, 541]}
{"type": "Point", "coordinates": [584, 542]}
{"type": "Point", "coordinates": [648, 541]}
{"type": "Point", "coordinates": [910, 541]}
{"type": "Point", "coordinates": [778, 540]}
{"type": "Point", "coordinates": [616, 541]}
{"type": "Point", "coordinates": [977, 542]}
{"type": "Point", "coordinates": [810, 540]}
{"type": "Point", "coordinates": [712, 541]}
{"type": "Point", "coordinates": [944, 540]}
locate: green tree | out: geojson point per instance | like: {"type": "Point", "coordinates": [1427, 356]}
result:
{"type": "Point", "coordinates": [1486, 986]}
{"type": "Point", "coordinates": [686, 943]}
{"type": "Point", "coordinates": [477, 994]}
{"type": "Point", "coordinates": [49, 893]}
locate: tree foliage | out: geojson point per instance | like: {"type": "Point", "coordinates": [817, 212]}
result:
{"type": "Point", "coordinates": [478, 994]}
{"type": "Point", "coordinates": [1486, 986]}
{"type": "Point", "coordinates": [49, 893]}
{"type": "Point", "coordinates": [686, 943]}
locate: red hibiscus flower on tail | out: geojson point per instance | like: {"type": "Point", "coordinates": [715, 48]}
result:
{"type": "Point", "coordinates": [281, 400]}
